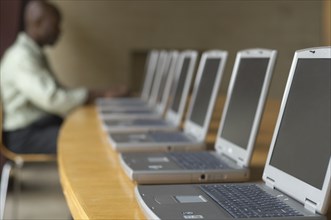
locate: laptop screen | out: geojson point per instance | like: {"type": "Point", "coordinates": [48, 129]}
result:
{"type": "Point", "coordinates": [149, 66]}
{"type": "Point", "coordinates": [155, 72]}
{"type": "Point", "coordinates": [302, 148]}
{"type": "Point", "coordinates": [164, 78]}
{"type": "Point", "coordinates": [205, 90]}
{"type": "Point", "coordinates": [181, 83]}
{"type": "Point", "coordinates": [244, 100]}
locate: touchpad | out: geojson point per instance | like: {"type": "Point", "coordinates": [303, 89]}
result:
{"type": "Point", "coordinates": [137, 137]}
{"type": "Point", "coordinates": [190, 199]}
{"type": "Point", "coordinates": [165, 199]}
{"type": "Point", "coordinates": [158, 159]}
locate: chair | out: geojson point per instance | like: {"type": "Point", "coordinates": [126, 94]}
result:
{"type": "Point", "coordinates": [13, 165]}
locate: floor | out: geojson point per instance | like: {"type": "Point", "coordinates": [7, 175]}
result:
{"type": "Point", "coordinates": [41, 195]}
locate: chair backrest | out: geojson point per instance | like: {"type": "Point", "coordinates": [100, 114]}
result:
{"type": "Point", "coordinates": [20, 158]}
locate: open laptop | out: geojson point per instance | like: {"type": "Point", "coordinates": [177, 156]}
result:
{"type": "Point", "coordinates": [200, 110]}
{"type": "Point", "coordinates": [160, 65]}
{"type": "Point", "coordinates": [247, 92]}
{"type": "Point", "coordinates": [150, 67]}
{"type": "Point", "coordinates": [160, 93]}
{"type": "Point", "coordinates": [179, 94]}
{"type": "Point", "coordinates": [297, 174]}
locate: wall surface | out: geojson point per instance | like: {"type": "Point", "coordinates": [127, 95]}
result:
{"type": "Point", "coordinates": [100, 37]}
{"type": "Point", "coordinates": [9, 22]}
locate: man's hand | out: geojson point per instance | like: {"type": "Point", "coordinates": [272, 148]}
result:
{"type": "Point", "coordinates": [119, 91]}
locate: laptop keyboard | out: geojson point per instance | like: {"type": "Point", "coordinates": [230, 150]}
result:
{"type": "Point", "coordinates": [197, 160]}
{"type": "Point", "coordinates": [168, 137]}
{"type": "Point", "coordinates": [248, 201]}
{"type": "Point", "coordinates": [142, 111]}
{"type": "Point", "coordinates": [149, 122]}
{"type": "Point", "coordinates": [136, 122]}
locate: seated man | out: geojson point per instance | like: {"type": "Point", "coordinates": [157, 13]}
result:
{"type": "Point", "coordinates": [34, 102]}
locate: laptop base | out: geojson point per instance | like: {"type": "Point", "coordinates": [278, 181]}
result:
{"type": "Point", "coordinates": [171, 173]}
{"type": "Point", "coordinates": [190, 202]}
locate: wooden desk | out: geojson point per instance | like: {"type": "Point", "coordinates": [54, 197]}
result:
{"type": "Point", "coordinates": [93, 182]}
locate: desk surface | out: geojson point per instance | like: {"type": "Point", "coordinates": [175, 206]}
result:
{"type": "Point", "coordinates": [93, 182]}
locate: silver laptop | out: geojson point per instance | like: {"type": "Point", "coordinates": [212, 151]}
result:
{"type": "Point", "coordinates": [150, 67]}
{"type": "Point", "coordinates": [204, 95]}
{"type": "Point", "coordinates": [178, 96]}
{"type": "Point", "coordinates": [297, 174]}
{"type": "Point", "coordinates": [160, 93]}
{"type": "Point", "coordinates": [147, 103]}
{"type": "Point", "coordinates": [239, 124]}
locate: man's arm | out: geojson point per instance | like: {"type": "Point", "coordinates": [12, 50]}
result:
{"type": "Point", "coordinates": [36, 83]}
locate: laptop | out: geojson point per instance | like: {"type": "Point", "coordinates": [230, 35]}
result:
{"type": "Point", "coordinates": [239, 124]}
{"type": "Point", "coordinates": [200, 110]}
{"type": "Point", "coordinates": [146, 104]}
{"type": "Point", "coordinates": [160, 93]}
{"type": "Point", "coordinates": [297, 174]}
{"type": "Point", "coordinates": [178, 95]}
{"type": "Point", "coordinates": [150, 68]}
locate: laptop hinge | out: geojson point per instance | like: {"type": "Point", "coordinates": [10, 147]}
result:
{"type": "Point", "coordinates": [270, 182]}
{"type": "Point", "coordinates": [192, 136]}
{"type": "Point", "coordinates": [228, 158]}
{"type": "Point", "coordinates": [240, 162]}
{"type": "Point", "coordinates": [310, 205]}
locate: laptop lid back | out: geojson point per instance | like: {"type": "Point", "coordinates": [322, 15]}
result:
{"type": "Point", "coordinates": [299, 162]}
{"type": "Point", "coordinates": [204, 94]}
{"type": "Point", "coordinates": [247, 92]}
{"type": "Point", "coordinates": [181, 86]}
{"type": "Point", "coordinates": [150, 67]}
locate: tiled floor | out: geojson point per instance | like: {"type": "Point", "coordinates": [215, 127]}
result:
{"type": "Point", "coordinates": [41, 195]}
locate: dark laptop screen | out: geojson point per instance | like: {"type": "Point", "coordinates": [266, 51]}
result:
{"type": "Point", "coordinates": [205, 89]}
{"type": "Point", "coordinates": [244, 100]}
{"type": "Point", "coordinates": [164, 79]}
{"type": "Point", "coordinates": [302, 148]}
{"type": "Point", "coordinates": [181, 83]}
{"type": "Point", "coordinates": [155, 72]}
{"type": "Point", "coordinates": [148, 70]}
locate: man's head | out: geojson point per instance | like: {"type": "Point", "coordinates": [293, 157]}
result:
{"type": "Point", "coordinates": [42, 22]}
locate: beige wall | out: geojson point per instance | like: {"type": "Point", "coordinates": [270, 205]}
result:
{"type": "Point", "coordinates": [99, 37]}
{"type": "Point", "coordinates": [327, 22]}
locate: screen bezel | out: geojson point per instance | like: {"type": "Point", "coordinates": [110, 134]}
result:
{"type": "Point", "coordinates": [161, 107]}
{"type": "Point", "coordinates": [150, 71]}
{"type": "Point", "coordinates": [224, 146]}
{"type": "Point", "coordinates": [191, 127]}
{"type": "Point", "coordinates": [172, 116]}
{"type": "Point", "coordinates": [283, 181]}
{"type": "Point", "coordinates": [159, 72]}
